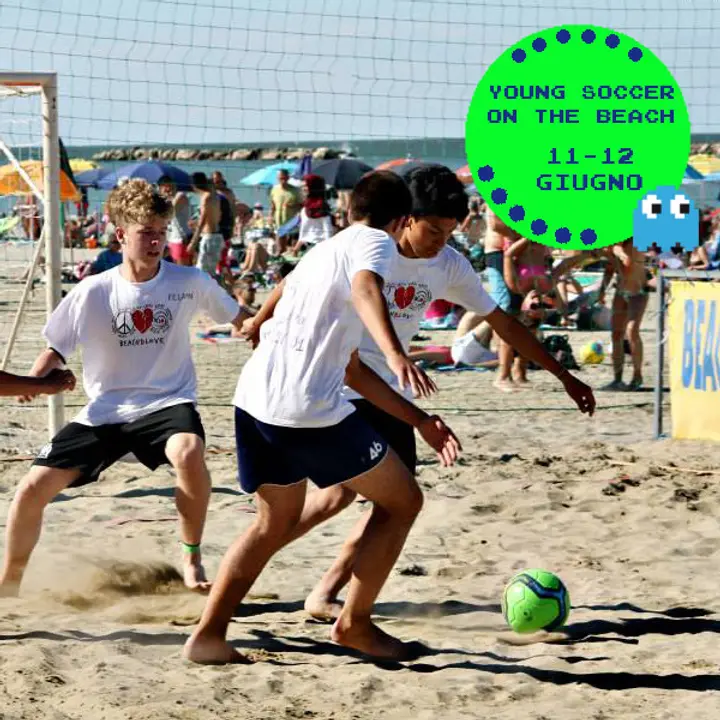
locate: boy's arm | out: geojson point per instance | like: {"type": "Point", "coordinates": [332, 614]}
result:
{"type": "Point", "coordinates": [27, 386]}
{"type": "Point", "coordinates": [518, 336]}
{"type": "Point", "coordinates": [47, 362]}
{"type": "Point", "coordinates": [370, 305]}
{"type": "Point", "coordinates": [432, 429]}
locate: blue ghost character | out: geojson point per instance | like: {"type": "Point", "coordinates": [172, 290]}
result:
{"type": "Point", "coordinates": [666, 216]}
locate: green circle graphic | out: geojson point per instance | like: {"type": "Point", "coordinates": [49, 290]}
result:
{"type": "Point", "coordinates": [569, 128]}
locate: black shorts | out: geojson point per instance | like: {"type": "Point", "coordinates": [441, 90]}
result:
{"type": "Point", "coordinates": [399, 435]}
{"type": "Point", "coordinates": [276, 455]}
{"type": "Point", "coordinates": [94, 449]}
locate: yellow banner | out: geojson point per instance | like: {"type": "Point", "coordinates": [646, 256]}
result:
{"type": "Point", "coordinates": [694, 320]}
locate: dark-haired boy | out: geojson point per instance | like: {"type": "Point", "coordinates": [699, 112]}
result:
{"type": "Point", "coordinates": [292, 421]}
{"type": "Point", "coordinates": [427, 269]}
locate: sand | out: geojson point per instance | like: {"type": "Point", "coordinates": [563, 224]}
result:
{"type": "Point", "coordinates": [630, 529]}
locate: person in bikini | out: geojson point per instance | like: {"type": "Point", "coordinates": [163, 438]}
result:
{"type": "Point", "coordinates": [628, 308]}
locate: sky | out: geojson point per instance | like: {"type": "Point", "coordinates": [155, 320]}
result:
{"type": "Point", "coordinates": [248, 71]}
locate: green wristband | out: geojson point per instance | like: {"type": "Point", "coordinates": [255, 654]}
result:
{"type": "Point", "coordinates": [190, 549]}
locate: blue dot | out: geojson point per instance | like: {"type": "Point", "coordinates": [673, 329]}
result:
{"type": "Point", "coordinates": [563, 36]}
{"type": "Point", "coordinates": [588, 36]}
{"type": "Point", "coordinates": [486, 173]}
{"type": "Point", "coordinates": [539, 227]}
{"type": "Point", "coordinates": [499, 196]}
{"type": "Point", "coordinates": [563, 235]}
{"type": "Point", "coordinates": [517, 213]}
{"type": "Point", "coordinates": [519, 55]}
{"type": "Point", "coordinates": [588, 236]}
{"type": "Point", "coordinates": [539, 44]}
{"type": "Point", "coordinates": [612, 41]}
{"type": "Point", "coordinates": [635, 54]}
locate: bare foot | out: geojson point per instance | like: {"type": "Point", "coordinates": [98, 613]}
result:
{"type": "Point", "coordinates": [322, 607]}
{"type": "Point", "coordinates": [195, 578]}
{"type": "Point", "coordinates": [522, 383]}
{"type": "Point", "coordinates": [212, 651]}
{"type": "Point", "coordinates": [370, 640]}
{"type": "Point", "coordinates": [507, 385]}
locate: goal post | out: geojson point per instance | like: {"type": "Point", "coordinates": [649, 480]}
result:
{"type": "Point", "coordinates": [44, 84]}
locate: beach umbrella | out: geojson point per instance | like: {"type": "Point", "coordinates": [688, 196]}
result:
{"type": "Point", "coordinates": [13, 183]}
{"type": "Point", "coordinates": [268, 174]}
{"type": "Point", "coordinates": [91, 178]}
{"type": "Point", "coordinates": [81, 165]}
{"type": "Point", "coordinates": [342, 173]}
{"type": "Point", "coordinates": [151, 171]}
{"type": "Point", "coordinates": [705, 164]}
{"type": "Point", "coordinates": [405, 169]}
{"type": "Point", "coordinates": [390, 164]}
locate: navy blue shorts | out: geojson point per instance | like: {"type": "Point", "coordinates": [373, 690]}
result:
{"type": "Point", "coordinates": [275, 455]}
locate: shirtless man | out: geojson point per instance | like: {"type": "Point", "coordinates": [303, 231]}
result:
{"type": "Point", "coordinates": [497, 239]}
{"type": "Point", "coordinates": [628, 308]}
{"type": "Point", "coordinates": [206, 239]}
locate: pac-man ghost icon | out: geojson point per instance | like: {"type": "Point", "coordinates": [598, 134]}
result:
{"type": "Point", "coordinates": [666, 216]}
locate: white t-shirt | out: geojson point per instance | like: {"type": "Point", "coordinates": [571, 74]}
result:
{"type": "Point", "coordinates": [135, 339]}
{"type": "Point", "coordinates": [315, 230]}
{"type": "Point", "coordinates": [412, 285]}
{"type": "Point", "coordinates": [295, 376]}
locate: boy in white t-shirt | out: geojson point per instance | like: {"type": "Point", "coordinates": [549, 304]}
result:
{"type": "Point", "coordinates": [293, 423]}
{"type": "Point", "coordinates": [132, 323]}
{"type": "Point", "coordinates": [427, 269]}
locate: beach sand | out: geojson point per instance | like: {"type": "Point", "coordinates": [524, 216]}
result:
{"type": "Point", "coordinates": [622, 519]}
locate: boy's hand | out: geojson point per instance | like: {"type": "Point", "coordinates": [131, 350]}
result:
{"type": "Point", "coordinates": [581, 393]}
{"type": "Point", "coordinates": [440, 438]}
{"type": "Point", "coordinates": [408, 373]}
{"type": "Point", "coordinates": [251, 332]}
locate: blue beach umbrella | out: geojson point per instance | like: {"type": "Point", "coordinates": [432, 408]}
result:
{"type": "Point", "coordinates": [268, 174]}
{"type": "Point", "coordinates": [151, 171]}
{"type": "Point", "coordinates": [91, 178]}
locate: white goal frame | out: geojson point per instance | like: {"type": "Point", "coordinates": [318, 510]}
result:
{"type": "Point", "coordinates": [45, 85]}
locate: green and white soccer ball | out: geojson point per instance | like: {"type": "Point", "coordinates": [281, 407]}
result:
{"type": "Point", "coordinates": [535, 600]}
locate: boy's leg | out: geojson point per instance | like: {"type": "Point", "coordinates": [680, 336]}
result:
{"type": "Point", "coordinates": [278, 511]}
{"type": "Point", "coordinates": [38, 488]}
{"type": "Point", "coordinates": [321, 506]}
{"type": "Point", "coordinates": [322, 603]}
{"type": "Point", "coordinates": [175, 434]}
{"type": "Point", "coordinates": [397, 500]}
{"type": "Point", "coordinates": [636, 311]}
{"type": "Point", "coordinates": [186, 453]}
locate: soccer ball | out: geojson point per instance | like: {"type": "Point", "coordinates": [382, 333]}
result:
{"type": "Point", "coordinates": [592, 354]}
{"type": "Point", "coordinates": [535, 600]}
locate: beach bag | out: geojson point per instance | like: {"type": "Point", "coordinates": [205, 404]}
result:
{"type": "Point", "coordinates": [559, 347]}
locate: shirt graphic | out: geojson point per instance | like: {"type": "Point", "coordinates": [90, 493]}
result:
{"type": "Point", "coordinates": [142, 325]}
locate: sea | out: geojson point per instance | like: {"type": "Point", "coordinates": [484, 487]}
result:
{"type": "Point", "coordinates": [448, 151]}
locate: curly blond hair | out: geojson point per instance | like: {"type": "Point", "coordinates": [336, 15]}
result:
{"type": "Point", "coordinates": [136, 202]}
